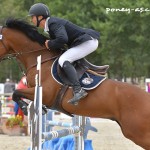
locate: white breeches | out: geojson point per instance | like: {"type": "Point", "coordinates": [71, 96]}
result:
{"type": "Point", "coordinates": [78, 52]}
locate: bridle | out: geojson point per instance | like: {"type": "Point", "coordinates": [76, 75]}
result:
{"type": "Point", "coordinates": [20, 53]}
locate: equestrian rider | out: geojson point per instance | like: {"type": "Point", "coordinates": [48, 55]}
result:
{"type": "Point", "coordinates": [80, 42]}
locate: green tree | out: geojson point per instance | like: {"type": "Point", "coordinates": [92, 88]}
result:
{"type": "Point", "coordinates": [125, 43]}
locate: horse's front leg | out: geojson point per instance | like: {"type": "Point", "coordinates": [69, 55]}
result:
{"type": "Point", "coordinates": [23, 93]}
{"type": "Point", "coordinates": [28, 94]}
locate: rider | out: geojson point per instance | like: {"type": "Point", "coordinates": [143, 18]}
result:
{"type": "Point", "coordinates": [80, 42]}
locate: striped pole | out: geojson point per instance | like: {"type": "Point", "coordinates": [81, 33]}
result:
{"type": "Point", "coordinates": [58, 123]}
{"type": "Point", "coordinates": [60, 133]}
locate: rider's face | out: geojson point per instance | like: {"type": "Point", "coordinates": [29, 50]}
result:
{"type": "Point", "coordinates": [33, 20]}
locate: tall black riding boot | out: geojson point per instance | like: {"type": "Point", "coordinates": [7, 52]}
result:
{"type": "Point", "coordinates": [71, 74]}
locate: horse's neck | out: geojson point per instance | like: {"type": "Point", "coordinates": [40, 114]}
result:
{"type": "Point", "coordinates": [30, 60]}
{"type": "Point", "coordinates": [47, 56]}
{"type": "Point", "coordinates": [27, 49]}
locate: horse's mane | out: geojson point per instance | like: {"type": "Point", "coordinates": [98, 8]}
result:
{"type": "Point", "coordinates": [29, 30]}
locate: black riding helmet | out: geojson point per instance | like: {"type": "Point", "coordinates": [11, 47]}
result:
{"type": "Point", "coordinates": [39, 9]}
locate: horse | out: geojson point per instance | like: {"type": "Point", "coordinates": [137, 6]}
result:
{"type": "Point", "coordinates": [122, 102]}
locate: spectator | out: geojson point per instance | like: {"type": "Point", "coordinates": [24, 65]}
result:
{"type": "Point", "coordinates": [148, 87]}
{"type": "Point", "coordinates": [9, 86]}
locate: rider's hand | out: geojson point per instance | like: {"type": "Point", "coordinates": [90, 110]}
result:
{"type": "Point", "coordinates": [46, 44]}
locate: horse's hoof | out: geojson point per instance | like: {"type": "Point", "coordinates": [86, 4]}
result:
{"type": "Point", "coordinates": [23, 105]}
{"type": "Point", "coordinates": [44, 110]}
{"type": "Point", "coordinates": [24, 109]}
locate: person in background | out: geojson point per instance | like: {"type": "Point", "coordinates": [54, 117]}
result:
{"type": "Point", "coordinates": [21, 85]}
{"type": "Point", "coordinates": [148, 87]}
{"type": "Point", "coordinates": [9, 86]}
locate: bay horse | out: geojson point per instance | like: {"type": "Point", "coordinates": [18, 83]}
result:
{"type": "Point", "coordinates": [124, 103]}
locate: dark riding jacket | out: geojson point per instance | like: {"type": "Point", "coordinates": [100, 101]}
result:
{"type": "Point", "coordinates": [63, 32]}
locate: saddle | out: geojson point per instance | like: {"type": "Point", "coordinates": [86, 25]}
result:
{"type": "Point", "coordinates": [81, 67]}
{"type": "Point", "coordinates": [102, 70]}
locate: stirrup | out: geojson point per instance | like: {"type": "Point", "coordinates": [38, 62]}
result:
{"type": "Point", "coordinates": [77, 97]}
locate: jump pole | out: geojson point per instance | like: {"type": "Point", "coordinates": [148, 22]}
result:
{"type": "Point", "coordinates": [35, 111]}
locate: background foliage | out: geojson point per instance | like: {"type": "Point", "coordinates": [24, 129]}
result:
{"type": "Point", "coordinates": [124, 43]}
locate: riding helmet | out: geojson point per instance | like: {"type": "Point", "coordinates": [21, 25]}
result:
{"type": "Point", "coordinates": [39, 9]}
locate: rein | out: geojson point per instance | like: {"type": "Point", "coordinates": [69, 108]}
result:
{"type": "Point", "coordinates": [43, 61]}
{"type": "Point", "coordinates": [16, 54]}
